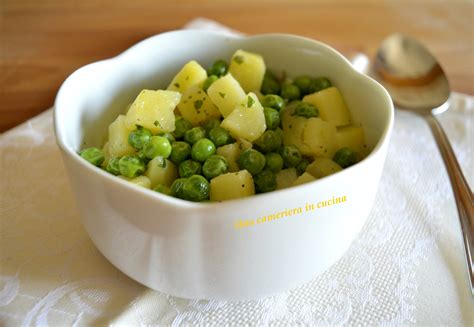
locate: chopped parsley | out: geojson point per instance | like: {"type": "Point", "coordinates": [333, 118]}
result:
{"type": "Point", "coordinates": [161, 162]}
{"type": "Point", "coordinates": [250, 101]}
{"type": "Point", "coordinates": [156, 123]}
{"type": "Point", "coordinates": [222, 95]}
{"type": "Point", "coordinates": [197, 104]}
{"type": "Point", "coordinates": [239, 59]}
{"type": "Point", "coordinates": [176, 85]}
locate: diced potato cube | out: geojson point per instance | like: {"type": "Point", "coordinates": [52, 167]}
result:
{"type": "Point", "coordinates": [231, 153]}
{"type": "Point", "coordinates": [154, 110]}
{"type": "Point", "coordinates": [304, 178]}
{"type": "Point", "coordinates": [161, 171]}
{"type": "Point", "coordinates": [232, 186]}
{"type": "Point", "coordinates": [322, 167]}
{"type": "Point", "coordinates": [196, 106]}
{"type": "Point", "coordinates": [331, 105]}
{"type": "Point", "coordinates": [248, 68]}
{"type": "Point", "coordinates": [293, 129]}
{"type": "Point", "coordinates": [247, 120]}
{"type": "Point", "coordinates": [226, 93]}
{"type": "Point", "coordinates": [118, 137]}
{"type": "Point", "coordinates": [142, 181]}
{"type": "Point", "coordinates": [353, 138]}
{"type": "Point", "coordinates": [320, 136]}
{"type": "Point", "coordinates": [191, 74]}
{"type": "Point", "coordinates": [286, 177]}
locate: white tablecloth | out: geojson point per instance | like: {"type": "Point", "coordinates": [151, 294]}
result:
{"type": "Point", "coordinates": [406, 267]}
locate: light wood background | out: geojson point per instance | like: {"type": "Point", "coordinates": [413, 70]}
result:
{"type": "Point", "coordinates": [42, 42]}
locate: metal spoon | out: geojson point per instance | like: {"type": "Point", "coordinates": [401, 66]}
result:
{"type": "Point", "coordinates": [416, 82]}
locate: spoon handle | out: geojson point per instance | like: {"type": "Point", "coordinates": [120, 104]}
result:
{"type": "Point", "coordinates": [462, 193]}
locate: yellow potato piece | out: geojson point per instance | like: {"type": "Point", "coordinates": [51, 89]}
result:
{"type": "Point", "coordinates": [285, 178]}
{"type": "Point", "coordinates": [247, 120]}
{"type": "Point", "coordinates": [248, 68]}
{"type": "Point", "coordinates": [232, 186]}
{"type": "Point", "coordinates": [322, 167]}
{"type": "Point", "coordinates": [154, 110]}
{"type": "Point", "coordinates": [226, 93]}
{"type": "Point", "coordinates": [353, 138]}
{"type": "Point", "coordinates": [320, 136]}
{"type": "Point", "coordinates": [231, 153]}
{"type": "Point", "coordinates": [142, 181]}
{"type": "Point", "coordinates": [118, 137]}
{"type": "Point", "coordinates": [191, 74]}
{"type": "Point", "coordinates": [293, 128]}
{"type": "Point", "coordinates": [196, 106]}
{"type": "Point", "coordinates": [161, 171]}
{"type": "Point", "coordinates": [303, 179]}
{"type": "Point", "coordinates": [331, 105]}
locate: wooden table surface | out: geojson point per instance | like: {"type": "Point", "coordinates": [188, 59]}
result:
{"type": "Point", "coordinates": [42, 42]}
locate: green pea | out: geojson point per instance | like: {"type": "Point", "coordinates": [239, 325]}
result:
{"type": "Point", "coordinates": [169, 136]}
{"type": "Point", "coordinates": [272, 117]}
{"type": "Point", "coordinates": [208, 82]}
{"type": "Point", "coordinates": [113, 166]}
{"type": "Point", "coordinates": [220, 136]}
{"type": "Point", "coordinates": [214, 166]}
{"type": "Point", "coordinates": [290, 92]}
{"type": "Point", "coordinates": [273, 162]}
{"type": "Point", "coordinates": [131, 166]}
{"type": "Point", "coordinates": [291, 155]}
{"type": "Point", "coordinates": [163, 189]}
{"type": "Point", "coordinates": [188, 168]}
{"type": "Point", "coordinates": [180, 151]}
{"type": "Point", "coordinates": [202, 149]}
{"type": "Point", "coordinates": [304, 84]}
{"type": "Point", "coordinates": [181, 126]}
{"type": "Point", "coordinates": [192, 135]}
{"type": "Point", "coordinates": [158, 146]}
{"type": "Point", "coordinates": [279, 131]}
{"type": "Point", "coordinates": [212, 123]}
{"type": "Point", "coordinates": [139, 137]}
{"type": "Point", "coordinates": [265, 182]}
{"type": "Point", "coordinates": [273, 101]}
{"type": "Point", "coordinates": [218, 68]}
{"type": "Point", "coordinates": [301, 167]}
{"type": "Point", "coordinates": [270, 86]}
{"type": "Point", "coordinates": [195, 188]}
{"type": "Point", "coordinates": [307, 110]}
{"type": "Point", "coordinates": [93, 155]}
{"type": "Point", "coordinates": [177, 187]}
{"type": "Point", "coordinates": [319, 84]}
{"type": "Point", "coordinates": [345, 157]}
{"type": "Point", "coordinates": [269, 141]}
{"type": "Point", "coordinates": [252, 160]}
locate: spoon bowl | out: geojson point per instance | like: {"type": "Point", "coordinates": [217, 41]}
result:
{"type": "Point", "coordinates": [411, 75]}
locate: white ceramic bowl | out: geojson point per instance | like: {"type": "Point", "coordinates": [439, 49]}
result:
{"type": "Point", "coordinates": [193, 250]}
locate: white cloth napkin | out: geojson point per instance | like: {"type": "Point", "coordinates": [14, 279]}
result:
{"type": "Point", "coordinates": [406, 267]}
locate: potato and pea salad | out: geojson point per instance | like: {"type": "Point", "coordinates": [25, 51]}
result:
{"type": "Point", "coordinates": [230, 132]}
